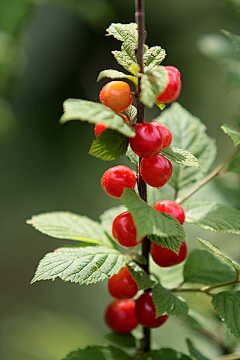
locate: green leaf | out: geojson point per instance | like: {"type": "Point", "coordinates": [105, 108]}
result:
{"type": "Point", "coordinates": [148, 221]}
{"type": "Point", "coordinates": [107, 217]}
{"type": "Point", "coordinates": [125, 340]}
{"type": "Point", "coordinates": [66, 225]}
{"type": "Point", "coordinates": [132, 156]}
{"type": "Point", "coordinates": [205, 268]}
{"type": "Point", "coordinates": [86, 265]}
{"type": "Point", "coordinates": [234, 165]}
{"type": "Point", "coordinates": [153, 57]}
{"type": "Point", "coordinates": [233, 133]}
{"type": "Point", "coordinates": [227, 306]}
{"type": "Point", "coordinates": [153, 83]}
{"type": "Point", "coordinates": [131, 113]}
{"type": "Point", "coordinates": [216, 251]}
{"type": "Point", "coordinates": [165, 354]}
{"type": "Point", "coordinates": [166, 302]}
{"type": "Point", "coordinates": [194, 353]}
{"type": "Point", "coordinates": [114, 74]}
{"type": "Point", "coordinates": [234, 38]}
{"type": "Point", "coordinates": [124, 32]}
{"type": "Point", "coordinates": [140, 276]}
{"type": "Point", "coordinates": [213, 216]}
{"type": "Point", "coordinates": [180, 156]}
{"type": "Point", "coordinates": [189, 133]}
{"type": "Point", "coordinates": [126, 57]}
{"type": "Point", "coordinates": [98, 352]}
{"type": "Point", "coordinates": [110, 145]}
{"type": "Point", "coordinates": [77, 109]}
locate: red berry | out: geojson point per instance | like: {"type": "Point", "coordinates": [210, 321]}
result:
{"type": "Point", "coordinates": [171, 207]}
{"type": "Point", "coordinates": [125, 117]}
{"type": "Point", "coordinates": [122, 285]}
{"type": "Point", "coordinates": [116, 95]}
{"type": "Point", "coordinates": [156, 171]}
{"type": "Point", "coordinates": [120, 316]}
{"type": "Point", "coordinates": [173, 89]}
{"type": "Point", "coordinates": [165, 132]}
{"type": "Point", "coordinates": [147, 141]}
{"type": "Point", "coordinates": [124, 230]}
{"type": "Point", "coordinates": [115, 179]}
{"type": "Point", "coordinates": [99, 128]}
{"type": "Point", "coordinates": [166, 257]}
{"type": "Point", "coordinates": [145, 311]}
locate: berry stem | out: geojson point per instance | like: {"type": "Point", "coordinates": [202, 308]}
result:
{"type": "Point", "coordinates": [142, 188]}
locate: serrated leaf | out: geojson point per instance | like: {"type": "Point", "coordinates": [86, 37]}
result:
{"type": "Point", "coordinates": [110, 145]}
{"type": "Point", "coordinates": [66, 225]}
{"type": "Point", "coordinates": [125, 340]}
{"type": "Point", "coordinates": [107, 217]}
{"type": "Point", "coordinates": [77, 109]}
{"type": "Point", "coordinates": [153, 83]}
{"type": "Point", "coordinates": [86, 265]}
{"type": "Point", "coordinates": [98, 352]}
{"type": "Point", "coordinates": [114, 74]}
{"type": "Point", "coordinates": [153, 57]}
{"type": "Point", "coordinates": [170, 242]}
{"type": "Point", "coordinates": [213, 216]}
{"type": "Point", "coordinates": [140, 276]}
{"type": "Point", "coordinates": [189, 133]}
{"type": "Point", "coordinates": [132, 156]}
{"type": "Point", "coordinates": [205, 268]}
{"type": "Point", "coordinates": [166, 302]}
{"type": "Point", "coordinates": [124, 32]}
{"type": "Point", "coordinates": [126, 57]}
{"type": "Point", "coordinates": [165, 354]}
{"type": "Point", "coordinates": [148, 221]}
{"type": "Point", "coordinates": [227, 306]}
{"type": "Point", "coordinates": [180, 156]}
{"type": "Point", "coordinates": [234, 165]}
{"type": "Point", "coordinates": [233, 133]}
{"type": "Point", "coordinates": [131, 113]}
{"type": "Point", "coordinates": [218, 252]}
{"type": "Point", "coordinates": [193, 352]}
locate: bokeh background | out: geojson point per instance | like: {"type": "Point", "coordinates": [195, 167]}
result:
{"type": "Point", "coordinates": [53, 50]}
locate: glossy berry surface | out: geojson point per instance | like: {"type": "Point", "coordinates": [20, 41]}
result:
{"type": "Point", "coordinates": [166, 257]}
{"type": "Point", "coordinates": [120, 316]}
{"type": "Point", "coordinates": [116, 95]}
{"type": "Point", "coordinates": [145, 312]}
{"type": "Point", "coordinates": [115, 179]}
{"type": "Point", "coordinates": [173, 89]}
{"type": "Point", "coordinates": [147, 141]}
{"type": "Point", "coordinates": [122, 285]}
{"type": "Point", "coordinates": [124, 230]}
{"type": "Point", "coordinates": [171, 207]}
{"type": "Point", "coordinates": [99, 128]}
{"type": "Point", "coordinates": [165, 132]}
{"type": "Point", "coordinates": [156, 171]}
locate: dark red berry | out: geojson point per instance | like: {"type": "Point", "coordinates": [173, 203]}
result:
{"type": "Point", "coordinates": [124, 230]}
{"type": "Point", "coordinates": [99, 128]}
{"type": "Point", "coordinates": [166, 257]}
{"type": "Point", "coordinates": [145, 312]}
{"type": "Point", "coordinates": [120, 316]}
{"type": "Point", "coordinates": [122, 285]}
{"type": "Point", "coordinates": [117, 178]}
{"type": "Point", "coordinates": [171, 207]}
{"type": "Point", "coordinates": [147, 141]}
{"type": "Point", "coordinates": [156, 171]}
{"type": "Point", "coordinates": [173, 89]}
{"type": "Point", "coordinates": [116, 95]}
{"type": "Point", "coordinates": [165, 132]}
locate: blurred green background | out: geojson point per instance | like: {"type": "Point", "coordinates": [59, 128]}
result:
{"type": "Point", "coordinates": [53, 50]}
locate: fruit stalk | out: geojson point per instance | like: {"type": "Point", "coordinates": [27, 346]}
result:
{"type": "Point", "coordinates": [142, 188]}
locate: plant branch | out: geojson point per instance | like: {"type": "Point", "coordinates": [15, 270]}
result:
{"type": "Point", "coordinates": [214, 173]}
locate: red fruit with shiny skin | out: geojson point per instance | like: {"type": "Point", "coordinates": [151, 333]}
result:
{"type": "Point", "coordinates": [156, 171]}
{"type": "Point", "coordinates": [173, 88]}
{"type": "Point", "coordinates": [124, 230]}
{"type": "Point", "coordinates": [99, 128]}
{"type": "Point", "coordinates": [145, 312]}
{"type": "Point", "coordinates": [147, 141]}
{"type": "Point", "coordinates": [116, 95]}
{"type": "Point", "coordinates": [115, 179]}
{"type": "Point", "coordinates": [171, 207]}
{"type": "Point", "coordinates": [165, 132]}
{"type": "Point", "coordinates": [122, 285]}
{"type": "Point", "coordinates": [166, 257]}
{"type": "Point", "coordinates": [120, 316]}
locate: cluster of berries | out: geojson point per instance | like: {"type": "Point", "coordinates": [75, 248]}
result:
{"type": "Point", "coordinates": [124, 313]}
